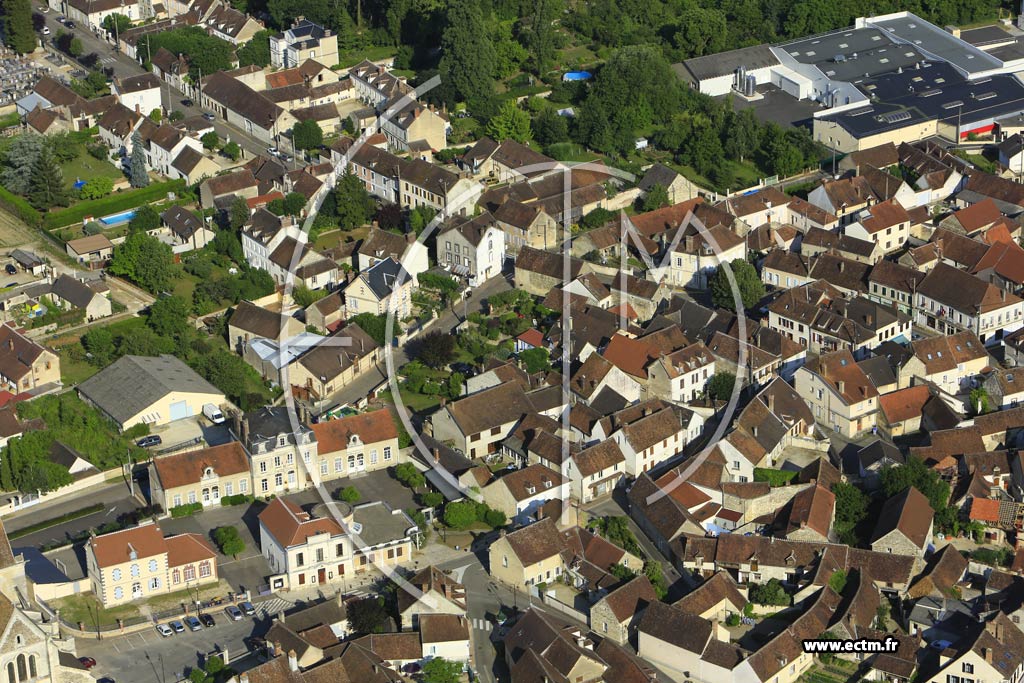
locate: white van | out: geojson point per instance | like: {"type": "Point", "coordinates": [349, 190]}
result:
{"type": "Point", "coordinates": [213, 413]}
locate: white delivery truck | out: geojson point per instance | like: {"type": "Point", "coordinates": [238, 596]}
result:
{"type": "Point", "coordinates": [213, 413]}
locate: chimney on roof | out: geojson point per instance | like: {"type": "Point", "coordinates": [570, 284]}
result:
{"type": "Point", "coordinates": [841, 385]}
{"type": "Point", "coordinates": [868, 319]}
{"type": "Point", "coordinates": [771, 403]}
{"type": "Point", "coordinates": [437, 455]}
{"type": "Point", "coordinates": [754, 431]}
{"type": "Point", "coordinates": [988, 654]}
{"type": "Point", "coordinates": [243, 677]}
{"type": "Point", "coordinates": [293, 661]}
{"type": "Point", "coordinates": [689, 243]}
{"type": "Point", "coordinates": [444, 401]}
{"type": "Point", "coordinates": [280, 616]}
{"type": "Point", "coordinates": [1002, 294]}
{"type": "Point", "coordinates": [244, 435]}
{"type": "Point", "coordinates": [841, 264]}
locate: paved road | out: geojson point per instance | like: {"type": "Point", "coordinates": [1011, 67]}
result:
{"type": "Point", "coordinates": [615, 507]}
{"type": "Point", "coordinates": [115, 498]}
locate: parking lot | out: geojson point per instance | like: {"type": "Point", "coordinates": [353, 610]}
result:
{"type": "Point", "coordinates": [148, 657]}
{"type": "Point", "coordinates": [188, 430]}
{"type": "Point", "coordinates": [372, 486]}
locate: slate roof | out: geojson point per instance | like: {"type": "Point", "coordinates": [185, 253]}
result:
{"type": "Point", "coordinates": [132, 384]}
{"type": "Point", "coordinates": [908, 512]}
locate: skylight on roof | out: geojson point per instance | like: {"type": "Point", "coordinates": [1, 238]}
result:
{"type": "Point", "coordinates": [985, 96]}
{"type": "Point", "coordinates": [953, 105]}
{"type": "Point", "coordinates": [876, 37]}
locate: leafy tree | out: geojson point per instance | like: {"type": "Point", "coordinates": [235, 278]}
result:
{"type": "Point", "coordinates": [307, 135]}
{"type": "Point", "coordinates": [99, 343]}
{"type": "Point", "coordinates": [373, 324]}
{"type": "Point", "coordinates": [656, 197]}
{"type": "Point", "coordinates": [46, 185]}
{"type": "Point", "coordinates": [208, 54]}
{"type": "Point", "coordinates": [510, 122]}
{"type": "Point", "coordinates": [444, 285]}
{"type": "Point", "coordinates": [210, 140]}
{"type": "Point", "coordinates": [238, 214]}
{"type": "Point", "coordinates": [17, 26]}
{"type": "Point", "coordinates": [305, 297]}
{"type": "Point", "coordinates": [18, 161]}
{"type": "Point", "coordinates": [232, 151]}
{"type": "Point", "coordinates": [168, 316]}
{"type": "Point", "coordinates": [597, 218]}
{"type": "Point", "coordinates": [354, 203]}
{"type": "Point", "coordinates": [851, 509]}
{"type": "Point", "coordinates": [97, 187]}
{"type": "Point", "coordinates": [294, 203]}
{"type": "Point", "coordinates": [467, 56]}
{"type": "Point", "coordinates": [538, 34]}
{"type": "Point", "coordinates": [914, 472]}
{"type": "Point", "coordinates": [837, 581]}
{"type": "Point", "coordinates": [535, 360]}
{"type": "Point", "coordinates": [75, 48]}
{"type": "Point", "coordinates": [771, 593]}
{"type": "Point", "coordinates": [704, 150]}
{"type": "Point", "coordinates": [882, 614]}
{"type": "Point", "coordinates": [751, 289]}
{"type": "Point", "coordinates": [116, 23]}
{"type": "Point", "coordinates": [229, 541]}
{"type": "Point", "coordinates": [702, 31]}
{"type": "Point", "coordinates": [145, 219]}
{"type": "Point", "coordinates": [92, 228]}
{"type": "Point", "coordinates": [440, 670]}
{"type": "Point", "coordinates": [460, 514]}
{"type": "Point", "coordinates": [256, 51]}
{"type": "Point", "coordinates": [509, 55]}
{"type": "Point", "coordinates": [431, 499]}
{"type": "Point", "coordinates": [144, 260]}
{"type": "Point", "coordinates": [137, 174]}
{"type": "Point", "coordinates": [743, 135]}
{"type": "Point", "coordinates": [435, 349]}
{"type": "Point", "coordinates": [656, 575]}
{"type": "Point", "coordinates": [368, 615]}
{"type": "Point", "coordinates": [616, 529]}
{"type": "Point", "coordinates": [420, 218]}
{"type": "Point", "coordinates": [980, 401]}
{"type": "Point", "coordinates": [350, 495]}
{"type": "Point", "coordinates": [549, 127]}
{"type": "Point", "coordinates": [390, 217]}
{"type": "Point", "coordinates": [408, 475]}
{"type": "Point", "coordinates": [721, 385]}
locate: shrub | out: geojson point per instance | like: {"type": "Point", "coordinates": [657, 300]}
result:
{"type": "Point", "coordinates": [772, 477]}
{"type": "Point", "coordinates": [237, 499]}
{"type": "Point", "coordinates": [228, 540]}
{"type": "Point", "coordinates": [186, 510]}
{"type": "Point", "coordinates": [349, 494]}
{"type": "Point", "coordinates": [732, 620]}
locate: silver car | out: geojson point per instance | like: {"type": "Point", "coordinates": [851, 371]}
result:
{"type": "Point", "coordinates": [164, 630]}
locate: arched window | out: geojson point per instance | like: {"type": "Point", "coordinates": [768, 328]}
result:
{"type": "Point", "coordinates": [32, 666]}
{"type": "Point", "coordinates": [176, 576]}
{"type": "Point", "coordinates": [152, 565]}
{"type": "Point", "coordinates": [190, 572]}
{"type": "Point", "coordinates": [17, 640]}
{"type": "Point", "coordinates": [204, 569]}
{"type": "Point", "coordinates": [11, 678]}
{"type": "Point", "coordinates": [22, 668]}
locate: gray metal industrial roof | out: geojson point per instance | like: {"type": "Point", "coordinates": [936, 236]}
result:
{"type": "Point", "coordinates": [927, 36]}
{"type": "Point", "coordinates": [133, 383]}
{"type": "Point", "coordinates": [726, 63]}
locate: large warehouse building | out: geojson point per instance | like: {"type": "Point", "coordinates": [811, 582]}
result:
{"type": "Point", "coordinates": [888, 78]}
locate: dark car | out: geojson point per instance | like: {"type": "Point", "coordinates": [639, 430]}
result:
{"type": "Point", "coordinates": [187, 102]}
{"type": "Point", "coordinates": [149, 441]}
{"type": "Point", "coordinates": [87, 662]}
{"type": "Point", "coordinates": [11, 270]}
{"type": "Point", "coordinates": [106, 679]}
{"type": "Point", "coordinates": [248, 608]}
{"type": "Point", "coordinates": [207, 619]}
{"type": "Point", "coordinates": [70, 25]}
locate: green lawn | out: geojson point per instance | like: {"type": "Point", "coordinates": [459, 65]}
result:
{"type": "Point", "coordinates": [86, 609]}
{"type": "Point", "coordinates": [73, 368]}
{"type": "Point", "coordinates": [570, 151]}
{"type": "Point", "coordinates": [373, 53]}
{"type": "Point", "coordinates": [85, 166]}
{"type": "Point", "coordinates": [414, 402]}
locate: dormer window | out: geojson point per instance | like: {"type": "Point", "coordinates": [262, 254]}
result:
{"type": "Point", "coordinates": [208, 472]}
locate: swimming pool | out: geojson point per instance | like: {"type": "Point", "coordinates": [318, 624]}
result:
{"type": "Point", "coordinates": [576, 76]}
{"type": "Point", "coordinates": [118, 218]}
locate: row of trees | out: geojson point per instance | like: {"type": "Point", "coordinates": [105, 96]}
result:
{"type": "Point", "coordinates": [31, 167]}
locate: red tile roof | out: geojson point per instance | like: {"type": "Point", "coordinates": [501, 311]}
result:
{"type": "Point", "coordinates": [904, 404]}
{"type": "Point", "coordinates": [334, 435]}
{"type": "Point", "coordinates": [985, 509]}
{"type": "Point", "coordinates": [289, 525]}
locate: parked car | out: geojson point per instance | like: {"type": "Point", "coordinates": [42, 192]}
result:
{"type": "Point", "coordinates": [164, 630]}
{"type": "Point", "coordinates": [285, 157]}
{"type": "Point", "coordinates": [45, 31]}
{"type": "Point", "coordinates": [208, 116]}
{"type": "Point", "coordinates": [149, 441]}
{"type": "Point", "coordinates": [106, 679]}
{"type": "Point", "coordinates": [207, 619]}
{"type": "Point", "coordinates": [193, 624]}
{"type": "Point", "coordinates": [70, 25]}
{"type": "Point", "coordinates": [187, 102]}
{"type": "Point", "coordinates": [45, 9]}
{"type": "Point", "coordinates": [11, 270]}
{"type": "Point", "coordinates": [177, 626]}
{"type": "Point", "coordinates": [234, 614]}
{"type": "Point", "coordinates": [272, 151]}
{"type": "Point", "coordinates": [87, 662]}
{"type": "Point", "coordinates": [248, 608]}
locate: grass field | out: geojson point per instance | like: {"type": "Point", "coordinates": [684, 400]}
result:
{"type": "Point", "coordinates": [85, 166]}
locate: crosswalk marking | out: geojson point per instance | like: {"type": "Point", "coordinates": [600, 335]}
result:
{"type": "Point", "coordinates": [271, 607]}
{"type": "Point", "coordinates": [107, 60]}
{"type": "Point", "coordinates": [482, 625]}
